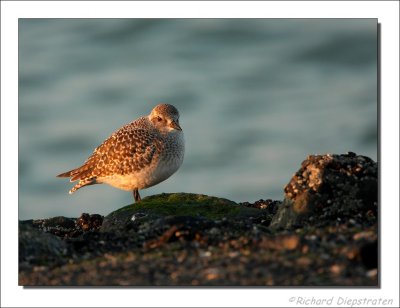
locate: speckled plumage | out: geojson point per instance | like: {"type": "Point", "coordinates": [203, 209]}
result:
{"type": "Point", "coordinates": [140, 154]}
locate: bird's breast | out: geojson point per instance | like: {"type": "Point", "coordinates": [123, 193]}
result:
{"type": "Point", "coordinates": [166, 161]}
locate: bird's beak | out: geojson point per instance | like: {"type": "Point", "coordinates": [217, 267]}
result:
{"type": "Point", "coordinates": [175, 125]}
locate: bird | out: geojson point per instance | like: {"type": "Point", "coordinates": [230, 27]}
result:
{"type": "Point", "coordinates": [139, 155]}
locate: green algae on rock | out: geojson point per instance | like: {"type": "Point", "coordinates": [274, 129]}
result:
{"type": "Point", "coordinates": [176, 204]}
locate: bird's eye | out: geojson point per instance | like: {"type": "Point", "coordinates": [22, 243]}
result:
{"type": "Point", "coordinates": [159, 119]}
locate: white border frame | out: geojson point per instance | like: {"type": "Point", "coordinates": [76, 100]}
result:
{"type": "Point", "coordinates": [387, 14]}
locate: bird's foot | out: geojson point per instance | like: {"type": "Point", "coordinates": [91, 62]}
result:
{"type": "Point", "coordinates": [136, 195]}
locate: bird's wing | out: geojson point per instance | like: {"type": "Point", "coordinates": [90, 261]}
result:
{"type": "Point", "coordinates": [126, 151]}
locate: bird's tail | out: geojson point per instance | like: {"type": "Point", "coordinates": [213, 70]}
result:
{"type": "Point", "coordinates": [78, 174]}
{"type": "Point", "coordinates": [82, 183]}
{"type": "Point", "coordinates": [67, 174]}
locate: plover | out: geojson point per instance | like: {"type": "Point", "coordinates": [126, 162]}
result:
{"type": "Point", "coordinates": [139, 155]}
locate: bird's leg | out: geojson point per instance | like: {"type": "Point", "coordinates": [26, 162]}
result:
{"type": "Point", "coordinates": [136, 195]}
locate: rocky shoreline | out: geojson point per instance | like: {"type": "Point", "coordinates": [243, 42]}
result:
{"type": "Point", "coordinates": [324, 233]}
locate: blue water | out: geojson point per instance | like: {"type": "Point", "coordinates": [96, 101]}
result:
{"type": "Point", "coordinates": [255, 96]}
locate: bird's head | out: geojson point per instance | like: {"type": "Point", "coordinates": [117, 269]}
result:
{"type": "Point", "coordinates": [165, 117]}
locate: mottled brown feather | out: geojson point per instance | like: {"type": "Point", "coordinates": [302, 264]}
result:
{"type": "Point", "coordinates": [127, 150]}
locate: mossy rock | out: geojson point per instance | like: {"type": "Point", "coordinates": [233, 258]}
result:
{"type": "Point", "coordinates": [175, 204]}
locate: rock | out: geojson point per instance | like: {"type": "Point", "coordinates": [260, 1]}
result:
{"type": "Point", "coordinates": [68, 227]}
{"type": "Point", "coordinates": [328, 188]}
{"type": "Point", "coordinates": [190, 239]}
{"type": "Point", "coordinates": [59, 225]}
{"type": "Point", "coordinates": [181, 204]}
{"type": "Point", "coordinates": [37, 248]}
{"type": "Point", "coordinates": [268, 206]}
{"type": "Point", "coordinates": [369, 254]}
{"type": "Point", "coordinates": [175, 228]}
{"type": "Point", "coordinates": [89, 222]}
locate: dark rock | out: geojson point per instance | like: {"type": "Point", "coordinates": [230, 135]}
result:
{"type": "Point", "coordinates": [39, 248]}
{"type": "Point", "coordinates": [328, 188]}
{"type": "Point", "coordinates": [59, 225]}
{"type": "Point", "coordinates": [67, 227]}
{"type": "Point", "coordinates": [89, 222]}
{"type": "Point", "coordinates": [174, 228]}
{"type": "Point", "coordinates": [369, 255]}
{"type": "Point", "coordinates": [269, 207]}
